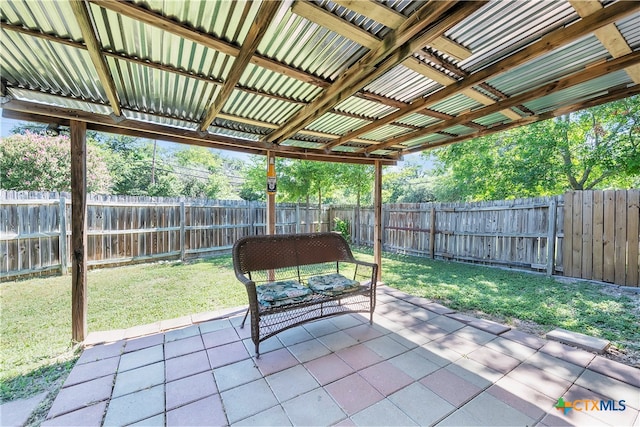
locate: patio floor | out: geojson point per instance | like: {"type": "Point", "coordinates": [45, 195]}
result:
{"type": "Point", "coordinates": [419, 364]}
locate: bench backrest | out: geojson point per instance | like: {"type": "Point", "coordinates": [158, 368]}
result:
{"type": "Point", "coordinates": [256, 253]}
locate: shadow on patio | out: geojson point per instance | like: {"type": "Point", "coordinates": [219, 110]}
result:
{"type": "Point", "coordinates": [419, 364]}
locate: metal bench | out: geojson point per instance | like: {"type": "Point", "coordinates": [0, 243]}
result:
{"type": "Point", "coordinates": [296, 278]}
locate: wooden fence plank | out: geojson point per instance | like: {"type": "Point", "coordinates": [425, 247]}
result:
{"type": "Point", "coordinates": [567, 241]}
{"type": "Point", "coordinates": [576, 236]}
{"type": "Point", "coordinates": [598, 231]}
{"type": "Point", "coordinates": [633, 236]}
{"type": "Point", "coordinates": [620, 243]}
{"type": "Point", "coordinates": [587, 235]}
{"type": "Point", "coordinates": [608, 237]}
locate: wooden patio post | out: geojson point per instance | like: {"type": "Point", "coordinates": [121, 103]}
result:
{"type": "Point", "coordinates": [271, 196]}
{"type": "Point", "coordinates": [377, 209]}
{"type": "Point", "coordinates": [78, 230]}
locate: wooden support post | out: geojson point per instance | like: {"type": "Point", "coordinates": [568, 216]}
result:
{"type": "Point", "coordinates": [377, 208]}
{"type": "Point", "coordinates": [271, 201]}
{"type": "Point", "coordinates": [551, 237]}
{"type": "Point", "coordinates": [78, 230]}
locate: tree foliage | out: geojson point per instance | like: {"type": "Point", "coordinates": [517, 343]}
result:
{"type": "Point", "coordinates": [40, 162]}
{"type": "Point", "coordinates": [590, 149]}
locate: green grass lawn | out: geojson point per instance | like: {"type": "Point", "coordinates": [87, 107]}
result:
{"type": "Point", "coordinates": [35, 328]}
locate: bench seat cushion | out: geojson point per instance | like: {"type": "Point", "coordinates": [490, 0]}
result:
{"type": "Point", "coordinates": [285, 292]}
{"type": "Point", "coordinates": [332, 284]}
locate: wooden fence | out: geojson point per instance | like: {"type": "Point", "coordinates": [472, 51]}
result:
{"type": "Point", "coordinates": [601, 243]}
{"type": "Point", "coordinates": [602, 233]}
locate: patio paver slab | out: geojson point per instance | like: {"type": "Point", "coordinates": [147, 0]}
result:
{"type": "Point", "coordinates": [617, 370]}
{"type": "Point", "coordinates": [183, 346]}
{"type": "Point", "coordinates": [386, 378]}
{"type": "Point", "coordinates": [421, 404]}
{"type": "Point", "coordinates": [577, 339]}
{"type": "Point", "coordinates": [325, 410]}
{"type": "Point", "coordinates": [235, 374]}
{"type": "Point", "coordinates": [610, 387]}
{"type": "Point", "coordinates": [572, 355]}
{"type": "Point", "coordinates": [139, 358]}
{"type": "Point", "coordinates": [383, 413]}
{"type": "Point", "coordinates": [272, 417]}
{"type": "Point", "coordinates": [451, 387]}
{"type": "Point", "coordinates": [291, 382]}
{"type": "Point", "coordinates": [81, 395]}
{"type": "Point", "coordinates": [353, 393]}
{"type": "Point", "coordinates": [329, 368]}
{"type": "Point", "coordinates": [92, 370]}
{"type": "Point", "coordinates": [248, 399]}
{"type": "Point", "coordinates": [204, 412]}
{"type": "Point", "coordinates": [89, 416]}
{"type": "Point", "coordinates": [135, 407]}
{"type": "Point", "coordinates": [189, 389]}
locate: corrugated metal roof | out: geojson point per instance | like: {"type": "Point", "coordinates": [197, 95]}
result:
{"type": "Point", "coordinates": [385, 132]}
{"type": "Point", "coordinates": [61, 101]}
{"type": "Point", "coordinates": [550, 67]}
{"type": "Point", "coordinates": [162, 76]}
{"type": "Point", "coordinates": [228, 20]}
{"type": "Point", "coordinates": [402, 84]}
{"type": "Point", "coordinates": [310, 47]}
{"type": "Point", "coordinates": [278, 84]}
{"type": "Point", "coordinates": [51, 67]}
{"type": "Point", "coordinates": [505, 26]}
{"type": "Point", "coordinates": [258, 107]}
{"type": "Point", "coordinates": [336, 124]}
{"type": "Point", "coordinates": [456, 104]}
{"type": "Point", "coordinates": [581, 92]}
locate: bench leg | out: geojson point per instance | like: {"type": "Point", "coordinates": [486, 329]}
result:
{"type": "Point", "coordinates": [244, 319]}
{"type": "Point", "coordinates": [258, 350]}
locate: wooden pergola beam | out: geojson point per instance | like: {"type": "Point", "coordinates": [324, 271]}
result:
{"type": "Point", "coordinates": [589, 73]}
{"type": "Point", "coordinates": [393, 19]}
{"type": "Point", "coordinates": [95, 53]}
{"type": "Point", "coordinates": [149, 17]}
{"type": "Point", "coordinates": [612, 95]}
{"type": "Point", "coordinates": [609, 35]}
{"type": "Point", "coordinates": [548, 43]}
{"type": "Point", "coordinates": [257, 30]}
{"type": "Point", "coordinates": [187, 74]}
{"type": "Point", "coordinates": [22, 110]}
{"type": "Point", "coordinates": [395, 47]}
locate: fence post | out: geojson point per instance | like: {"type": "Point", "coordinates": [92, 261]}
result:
{"type": "Point", "coordinates": [298, 217]}
{"type": "Point", "coordinates": [62, 244]}
{"type": "Point", "coordinates": [182, 230]}
{"type": "Point", "coordinates": [551, 237]}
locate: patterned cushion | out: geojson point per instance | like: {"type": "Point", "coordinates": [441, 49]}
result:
{"type": "Point", "coordinates": [281, 293]}
{"type": "Point", "coordinates": [332, 284]}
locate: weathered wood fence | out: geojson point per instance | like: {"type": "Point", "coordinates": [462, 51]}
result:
{"type": "Point", "coordinates": [601, 240]}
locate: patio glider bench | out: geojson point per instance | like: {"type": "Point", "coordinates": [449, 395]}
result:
{"type": "Point", "coordinates": [296, 278]}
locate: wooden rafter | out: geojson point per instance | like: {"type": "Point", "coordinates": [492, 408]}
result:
{"type": "Point", "coordinates": [549, 42]}
{"type": "Point", "coordinates": [257, 30]}
{"type": "Point", "coordinates": [393, 19]}
{"type": "Point", "coordinates": [388, 53]}
{"type": "Point", "coordinates": [609, 35]}
{"type": "Point", "coordinates": [611, 96]}
{"type": "Point", "coordinates": [589, 73]}
{"type": "Point", "coordinates": [149, 17]}
{"type": "Point", "coordinates": [206, 79]}
{"type": "Point", "coordinates": [45, 113]}
{"type": "Point", "coordinates": [326, 19]}
{"type": "Point", "coordinates": [81, 14]}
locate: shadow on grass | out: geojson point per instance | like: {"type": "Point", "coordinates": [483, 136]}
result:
{"type": "Point", "coordinates": [47, 378]}
{"type": "Point", "coordinates": [585, 307]}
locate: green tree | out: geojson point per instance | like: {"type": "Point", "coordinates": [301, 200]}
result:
{"type": "Point", "coordinates": [41, 162]}
{"type": "Point", "coordinates": [201, 173]}
{"type": "Point", "coordinates": [138, 168]}
{"type": "Point", "coordinates": [594, 148]}
{"type": "Point", "coordinates": [410, 184]}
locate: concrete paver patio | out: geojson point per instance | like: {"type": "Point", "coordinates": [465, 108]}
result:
{"type": "Point", "coordinates": [419, 364]}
